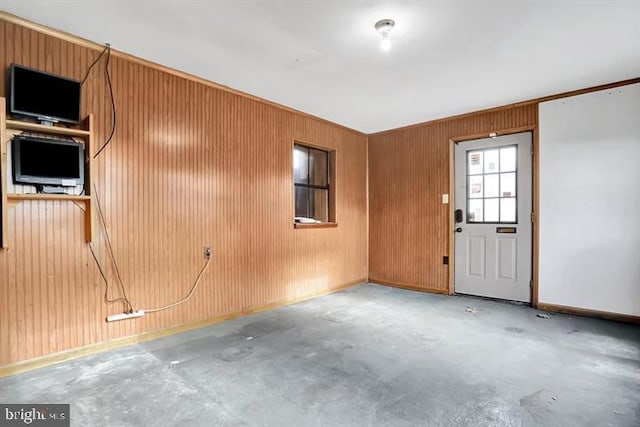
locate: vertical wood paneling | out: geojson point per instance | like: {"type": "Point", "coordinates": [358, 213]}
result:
{"type": "Point", "coordinates": [408, 173]}
{"type": "Point", "coordinates": [190, 165]}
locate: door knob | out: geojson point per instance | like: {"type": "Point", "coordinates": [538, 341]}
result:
{"type": "Point", "coordinates": [459, 230]}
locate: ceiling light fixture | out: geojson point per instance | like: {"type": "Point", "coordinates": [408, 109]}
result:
{"type": "Point", "coordinates": [384, 27]}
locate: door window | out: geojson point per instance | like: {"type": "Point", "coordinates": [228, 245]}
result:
{"type": "Point", "coordinates": [491, 185]}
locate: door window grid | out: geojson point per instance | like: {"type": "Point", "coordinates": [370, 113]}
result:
{"type": "Point", "coordinates": [491, 185]}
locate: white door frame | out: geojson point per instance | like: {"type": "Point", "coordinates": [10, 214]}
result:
{"type": "Point", "coordinates": [534, 223]}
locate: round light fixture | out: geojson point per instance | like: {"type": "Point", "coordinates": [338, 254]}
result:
{"type": "Point", "coordinates": [384, 27]}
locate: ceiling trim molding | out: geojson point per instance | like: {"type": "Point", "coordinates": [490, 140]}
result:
{"type": "Point", "coordinates": [514, 105]}
{"type": "Point", "coordinates": [77, 40]}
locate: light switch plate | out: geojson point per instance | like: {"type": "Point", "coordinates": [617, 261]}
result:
{"type": "Point", "coordinates": [445, 199]}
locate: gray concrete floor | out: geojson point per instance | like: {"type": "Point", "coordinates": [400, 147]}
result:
{"type": "Point", "coordinates": [370, 355]}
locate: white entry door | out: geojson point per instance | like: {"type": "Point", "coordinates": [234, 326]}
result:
{"type": "Point", "coordinates": [492, 224]}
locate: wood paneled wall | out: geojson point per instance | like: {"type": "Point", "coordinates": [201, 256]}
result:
{"type": "Point", "coordinates": [408, 173]}
{"type": "Point", "coordinates": [190, 165]}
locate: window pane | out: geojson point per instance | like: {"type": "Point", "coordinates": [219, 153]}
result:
{"type": "Point", "coordinates": [474, 162]}
{"type": "Point", "coordinates": [320, 204]}
{"type": "Point", "coordinates": [475, 211]}
{"type": "Point", "coordinates": [508, 159]}
{"type": "Point", "coordinates": [475, 187]}
{"type": "Point", "coordinates": [300, 165]}
{"type": "Point", "coordinates": [491, 185]}
{"type": "Point", "coordinates": [507, 184]}
{"type": "Point", "coordinates": [302, 202]}
{"type": "Point", "coordinates": [318, 167]}
{"type": "Point", "coordinates": [491, 161]}
{"type": "Point", "coordinates": [491, 210]}
{"type": "Point", "coordinates": [507, 210]}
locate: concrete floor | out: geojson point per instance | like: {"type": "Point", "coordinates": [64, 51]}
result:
{"type": "Point", "coordinates": [370, 355]}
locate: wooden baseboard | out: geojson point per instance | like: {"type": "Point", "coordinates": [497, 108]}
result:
{"type": "Point", "coordinates": [408, 286]}
{"type": "Point", "coordinates": [75, 353]}
{"type": "Point", "coordinates": [585, 312]}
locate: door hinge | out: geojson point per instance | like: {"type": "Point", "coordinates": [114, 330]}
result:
{"type": "Point", "coordinates": [533, 217]}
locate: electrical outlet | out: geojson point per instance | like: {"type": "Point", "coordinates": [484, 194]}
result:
{"type": "Point", "coordinates": [207, 252]}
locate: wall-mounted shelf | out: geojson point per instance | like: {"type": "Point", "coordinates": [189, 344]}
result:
{"type": "Point", "coordinates": [55, 130]}
{"type": "Point", "coordinates": [9, 128]}
{"type": "Point", "coordinates": [69, 197]}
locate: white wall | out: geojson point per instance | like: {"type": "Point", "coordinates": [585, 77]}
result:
{"type": "Point", "coordinates": [590, 201]}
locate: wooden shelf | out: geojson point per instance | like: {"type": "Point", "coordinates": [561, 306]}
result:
{"type": "Point", "coordinates": [21, 197]}
{"type": "Point", "coordinates": [12, 200]}
{"type": "Point", "coordinates": [35, 127]}
{"type": "Point", "coordinates": [9, 128]}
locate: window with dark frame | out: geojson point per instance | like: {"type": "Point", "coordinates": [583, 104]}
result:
{"type": "Point", "coordinates": [491, 185]}
{"type": "Point", "coordinates": [311, 183]}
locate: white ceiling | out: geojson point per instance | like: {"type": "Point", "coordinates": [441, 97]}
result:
{"type": "Point", "coordinates": [323, 57]}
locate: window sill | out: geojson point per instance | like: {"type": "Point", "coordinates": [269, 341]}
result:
{"type": "Point", "coordinates": [315, 225]}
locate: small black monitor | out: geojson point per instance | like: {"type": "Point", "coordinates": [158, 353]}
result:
{"type": "Point", "coordinates": [43, 161]}
{"type": "Point", "coordinates": [45, 96]}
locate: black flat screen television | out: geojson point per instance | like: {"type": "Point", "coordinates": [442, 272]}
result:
{"type": "Point", "coordinates": [42, 161]}
{"type": "Point", "coordinates": [45, 96]}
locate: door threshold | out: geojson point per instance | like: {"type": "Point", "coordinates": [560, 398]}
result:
{"type": "Point", "coordinates": [505, 301]}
